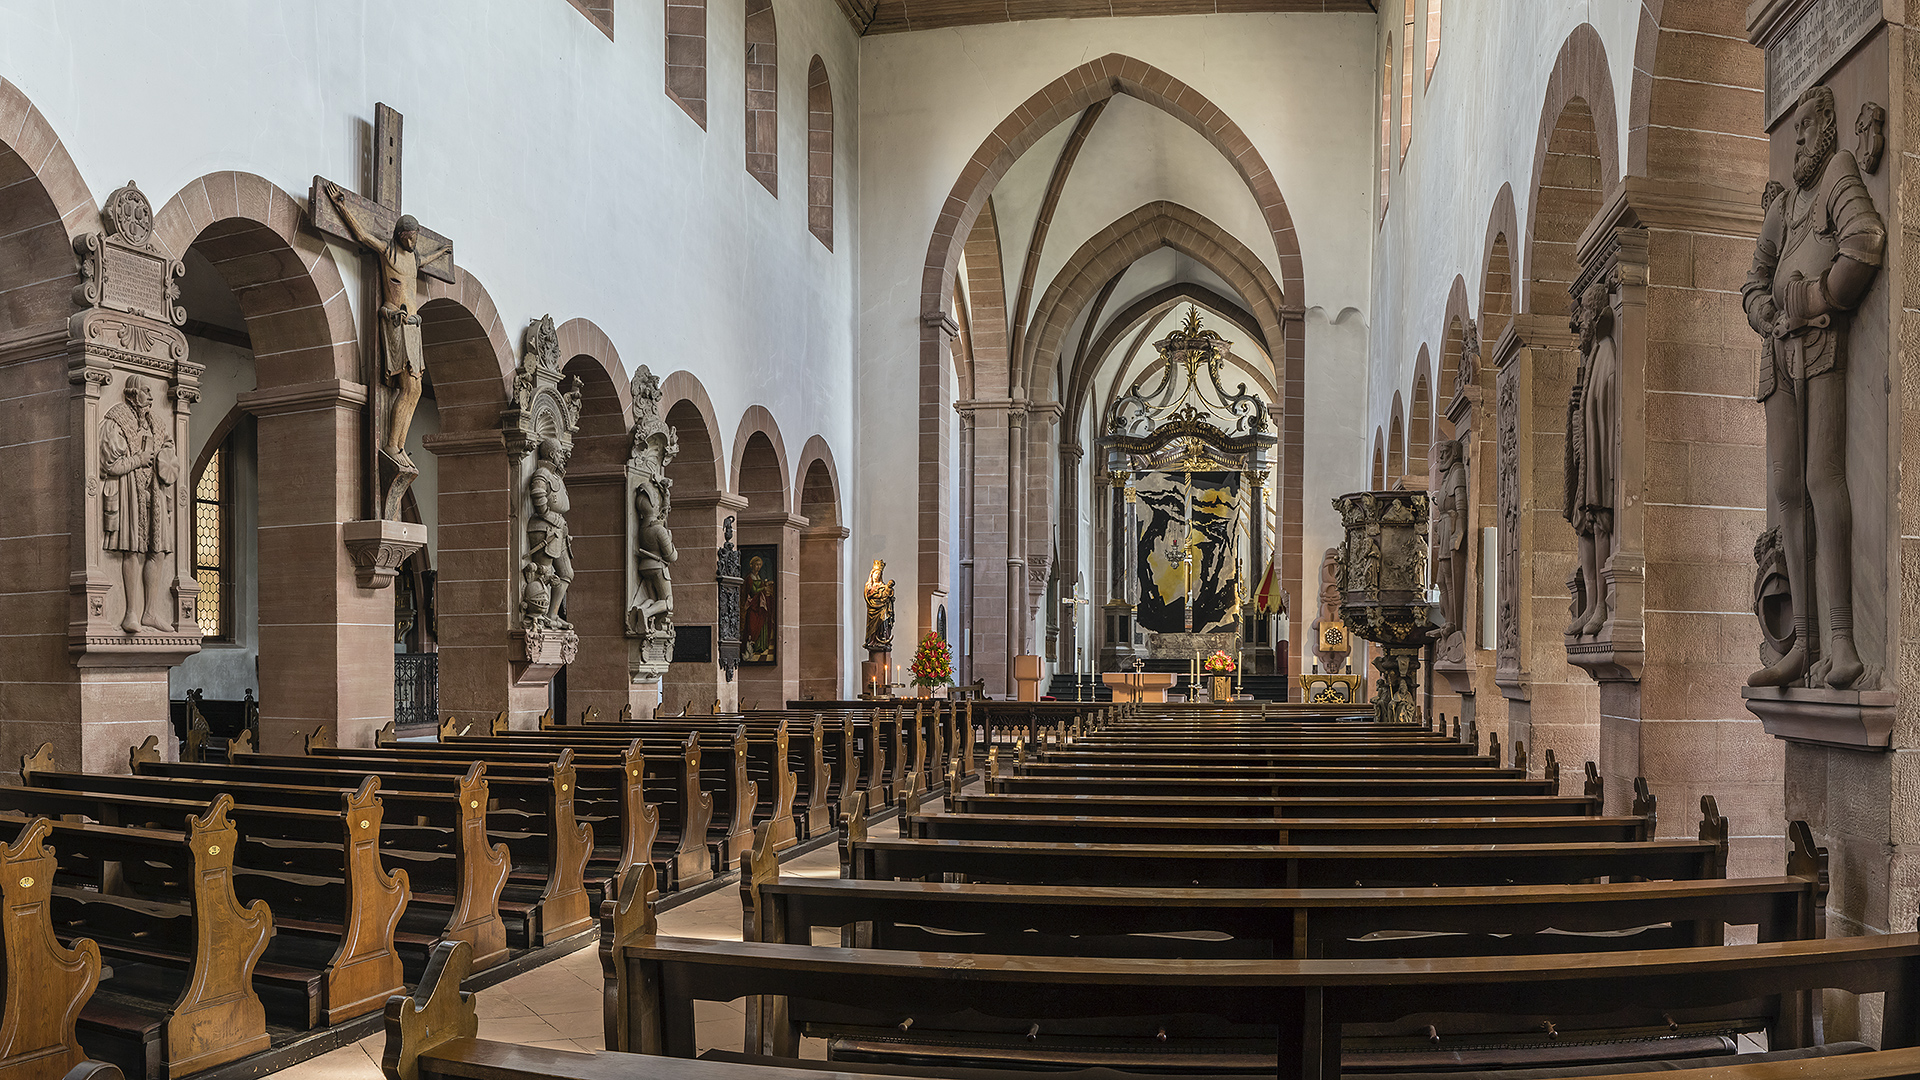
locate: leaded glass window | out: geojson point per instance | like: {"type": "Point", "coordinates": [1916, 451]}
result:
{"type": "Point", "coordinates": [212, 546]}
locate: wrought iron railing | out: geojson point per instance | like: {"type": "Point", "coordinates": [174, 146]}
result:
{"type": "Point", "coordinates": [416, 688]}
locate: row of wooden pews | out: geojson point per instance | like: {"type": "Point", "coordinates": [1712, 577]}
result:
{"type": "Point", "coordinates": [1191, 892]}
{"type": "Point", "coordinates": [232, 905]}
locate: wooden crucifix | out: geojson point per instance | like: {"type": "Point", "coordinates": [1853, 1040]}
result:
{"type": "Point", "coordinates": [399, 251]}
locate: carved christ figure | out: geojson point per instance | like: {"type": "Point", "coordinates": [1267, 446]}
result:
{"type": "Point", "coordinates": [399, 314]}
{"type": "Point", "coordinates": [1820, 248]}
{"type": "Point", "coordinates": [549, 545]}
{"type": "Point", "coordinates": [1450, 536]}
{"type": "Point", "coordinates": [879, 610]}
{"type": "Point", "coordinates": [1593, 439]}
{"type": "Point", "coordinates": [138, 469]}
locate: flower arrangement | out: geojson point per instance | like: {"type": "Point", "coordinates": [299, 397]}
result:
{"type": "Point", "coordinates": [932, 662]}
{"type": "Point", "coordinates": [1219, 663]}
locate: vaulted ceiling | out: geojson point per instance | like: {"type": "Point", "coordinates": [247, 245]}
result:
{"type": "Point", "coordinates": [900, 16]}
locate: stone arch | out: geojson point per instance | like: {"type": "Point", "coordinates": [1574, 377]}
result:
{"type": "Point", "coordinates": [596, 487]}
{"type": "Point", "coordinates": [1108, 253]}
{"type": "Point", "coordinates": [823, 596]}
{"type": "Point", "coordinates": [1074, 91]}
{"type": "Point", "coordinates": [1497, 271]}
{"type": "Point", "coordinates": [44, 206]}
{"type": "Point", "coordinates": [700, 506]}
{"type": "Point", "coordinates": [1420, 418]}
{"type": "Point", "coordinates": [1452, 351]}
{"type": "Point", "coordinates": [283, 276]}
{"type": "Point", "coordinates": [1685, 128]}
{"type": "Point", "coordinates": [461, 330]}
{"type": "Point", "coordinates": [760, 474]}
{"type": "Point", "coordinates": [1379, 460]}
{"type": "Point", "coordinates": [759, 468]}
{"type": "Point", "coordinates": [1576, 160]}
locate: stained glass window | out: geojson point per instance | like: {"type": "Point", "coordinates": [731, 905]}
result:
{"type": "Point", "coordinates": [212, 548]}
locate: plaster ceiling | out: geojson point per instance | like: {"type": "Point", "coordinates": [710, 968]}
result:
{"type": "Point", "coordinates": [901, 16]}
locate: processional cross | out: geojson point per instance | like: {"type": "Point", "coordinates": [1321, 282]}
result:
{"type": "Point", "coordinates": [399, 251]}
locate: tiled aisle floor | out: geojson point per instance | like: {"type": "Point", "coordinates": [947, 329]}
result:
{"type": "Point", "coordinates": [559, 1005]}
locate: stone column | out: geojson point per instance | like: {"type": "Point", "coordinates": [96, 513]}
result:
{"type": "Point", "coordinates": [1549, 704]}
{"type": "Point", "coordinates": [995, 571]}
{"type": "Point", "coordinates": [696, 521]}
{"type": "Point", "coordinates": [1691, 500]}
{"type": "Point", "coordinates": [1116, 651]}
{"type": "Point", "coordinates": [823, 599]}
{"type": "Point", "coordinates": [326, 642]}
{"type": "Point", "coordinates": [1069, 516]}
{"type": "Point", "coordinates": [476, 591]}
{"type": "Point", "coordinates": [596, 604]}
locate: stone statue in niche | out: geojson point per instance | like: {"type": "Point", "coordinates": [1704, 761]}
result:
{"type": "Point", "coordinates": [1507, 487]}
{"type": "Point", "coordinates": [1593, 455]}
{"type": "Point", "coordinates": [1469, 357]}
{"type": "Point", "coordinates": [879, 594]}
{"type": "Point", "coordinates": [654, 556]}
{"type": "Point", "coordinates": [549, 545]}
{"type": "Point", "coordinates": [404, 362]}
{"type": "Point", "coordinates": [1449, 541]}
{"type": "Point", "coordinates": [650, 548]}
{"type": "Point", "coordinates": [139, 466]}
{"type": "Point", "coordinates": [1820, 248]}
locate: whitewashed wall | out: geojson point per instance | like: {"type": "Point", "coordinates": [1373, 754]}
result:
{"type": "Point", "coordinates": [568, 181]}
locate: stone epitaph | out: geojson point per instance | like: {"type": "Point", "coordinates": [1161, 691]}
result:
{"type": "Point", "coordinates": [399, 252]}
{"type": "Point", "coordinates": [650, 550]}
{"type": "Point", "coordinates": [726, 572]}
{"type": "Point", "coordinates": [134, 593]}
{"type": "Point", "coordinates": [538, 425]}
{"type": "Point", "coordinates": [1452, 506]}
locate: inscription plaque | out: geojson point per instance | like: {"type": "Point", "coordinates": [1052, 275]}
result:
{"type": "Point", "coordinates": [1809, 47]}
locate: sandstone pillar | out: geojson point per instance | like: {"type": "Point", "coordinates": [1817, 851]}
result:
{"type": "Point", "coordinates": [698, 522]}
{"type": "Point", "coordinates": [1550, 705]}
{"type": "Point", "coordinates": [822, 597]}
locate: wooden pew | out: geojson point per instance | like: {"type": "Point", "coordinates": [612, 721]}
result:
{"type": "Point", "coordinates": [335, 924]}
{"type": "Point", "coordinates": [817, 753]}
{"type": "Point", "coordinates": [530, 811]}
{"type": "Point", "coordinates": [438, 836]}
{"type": "Point", "coordinates": [210, 1013]}
{"type": "Point", "coordinates": [44, 985]}
{"type": "Point", "coordinates": [1301, 923]}
{"type": "Point", "coordinates": [431, 1036]}
{"type": "Point", "coordinates": [1283, 866]}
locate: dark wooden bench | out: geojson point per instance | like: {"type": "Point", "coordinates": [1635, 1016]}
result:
{"type": "Point", "coordinates": [435, 829]}
{"type": "Point", "coordinates": [1282, 866]}
{"type": "Point", "coordinates": [336, 907]}
{"type": "Point", "coordinates": [162, 905]}
{"type": "Point", "coordinates": [530, 812]}
{"type": "Point", "coordinates": [1298, 1013]}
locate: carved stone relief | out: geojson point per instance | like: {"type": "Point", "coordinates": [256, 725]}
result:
{"type": "Point", "coordinates": [1469, 372]}
{"type": "Point", "coordinates": [1507, 493]}
{"type": "Point", "coordinates": [651, 553]}
{"type": "Point", "coordinates": [539, 426]}
{"type": "Point", "coordinates": [1819, 253]}
{"type": "Point", "coordinates": [1451, 549]}
{"type": "Point", "coordinates": [135, 603]}
{"type": "Point", "coordinates": [727, 571]}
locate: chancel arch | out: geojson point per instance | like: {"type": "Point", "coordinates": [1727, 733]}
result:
{"type": "Point", "coordinates": [823, 594]}
{"type": "Point", "coordinates": [1073, 92]}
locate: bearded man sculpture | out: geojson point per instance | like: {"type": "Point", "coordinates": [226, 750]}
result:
{"type": "Point", "coordinates": [1820, 248]}
{"type": "Point", "coordinates": [1594, 449]}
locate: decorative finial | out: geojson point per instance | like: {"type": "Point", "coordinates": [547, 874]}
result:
{"type": "Point", "coordinates": [1192, 326]}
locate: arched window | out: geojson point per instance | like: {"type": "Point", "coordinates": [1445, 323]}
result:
{"type": "Point", "coordinates": [687, 57]}
{"type": "Point", "coordinates": [1433, 36]}
{"type": "Point", "coordinates": [213, 544]}
{"type": "Point", "coordinates": [763, 111]}
{"type": "Point", "coordinates": [820, 153]}
{"type": "Point", "coordinates": [1407, 39]}
{"type": "Point", "coordinates": [1386, 124]}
